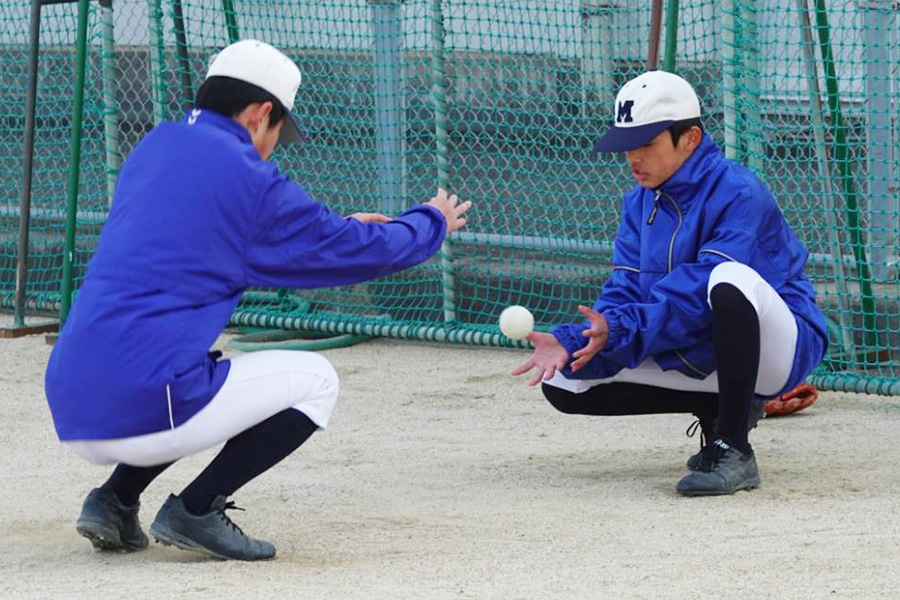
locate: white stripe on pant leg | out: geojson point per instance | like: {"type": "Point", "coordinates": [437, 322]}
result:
{"type": "Point", "coordinates": [258, 386]}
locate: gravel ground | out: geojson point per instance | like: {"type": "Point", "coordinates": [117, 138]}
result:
{"type": "Point", "coordinates": [443, 477]}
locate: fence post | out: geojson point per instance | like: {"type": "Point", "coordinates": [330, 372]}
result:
{"type": "Point", "coordinates": [671, 35]}
{"type": "Point", "coordinates": [879, 21]}
{"type": "Point", "coordinates": [74, 162]}
{"type": "Point", "coordinates": [842, 158]}
{"type": "Point", "coordinates": [34, 28]}
{"type": "Point", "coordinates": [439, 92]}
{"type": "Point", "coordinates": [157, 61]}
{"type": "Point", "coordinates": [390, 111]}
{"type": "Point", "coordinates": [729, 80]}
{"type": "Point", "coordinates": [597, 61]}
{"type": "Point", "coordinates": [110, 103]}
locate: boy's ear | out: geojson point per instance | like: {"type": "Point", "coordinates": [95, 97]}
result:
{"type": "Point", "coordinates": [692, 138]}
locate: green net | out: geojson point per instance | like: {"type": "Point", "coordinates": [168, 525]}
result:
{"type": "Point", "coordinates": [499, 101]}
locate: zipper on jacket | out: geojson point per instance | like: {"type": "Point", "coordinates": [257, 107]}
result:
{"type": "Point", "coordinates": [677, 227]}
{"type": "Point", "coordinates": [653, 212]}
{"type": "Point", "coordinates": [669, 260]}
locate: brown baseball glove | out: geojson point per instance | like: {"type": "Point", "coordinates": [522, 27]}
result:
{"type": "Point", "coordinates": [797, 399]}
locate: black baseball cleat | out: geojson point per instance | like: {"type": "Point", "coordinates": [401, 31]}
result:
{"type": "Point", "coordinates": [708, 431]}
{"type": "Point", "coordinates": [723, 470]}
{"type": "Point", "coordinates": [212, 533]}
{"type": "Point", "coordinates": [109, 524]}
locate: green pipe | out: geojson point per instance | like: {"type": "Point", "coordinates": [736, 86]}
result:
{"type": "Point", "coordinates": [855, 383]}
{"type": "Point", "coordinates": [843, 162]}
{"type": "Point", "coordinates": [671, 35]}
{"type": "Point", "coordinates": [489, 336]}
{"type": "Point", "coordinates": [441, 138]}
{"type": "Point", "coordinates": [157, 61]}
{"type": "Point", "coordinates": [230, 21]}
{"type": "Point", "coordinates": [74, 162]}
{"type": "Point", "coordinates": [338, 324]}
{"type": "Point", "coordinates": [184, 60]}
{"type": "Point", "coordinates": [278, 339]}
{"type": "Point", "coordinates": [110, 105]}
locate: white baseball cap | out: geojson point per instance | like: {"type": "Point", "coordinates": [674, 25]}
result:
{"type": "Point", "coordinates": [265, 67]}
{"type": "Point", "coordinates": [645, 107]}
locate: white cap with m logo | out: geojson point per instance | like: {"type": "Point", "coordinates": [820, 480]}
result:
{"type": "Point", "coordinates": [645, 107]}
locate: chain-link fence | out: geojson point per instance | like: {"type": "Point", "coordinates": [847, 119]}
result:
{"type": "Point", "coordinates": [499, 101]}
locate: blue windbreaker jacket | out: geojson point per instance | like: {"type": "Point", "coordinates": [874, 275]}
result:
{"type": "Point", "coordinates": [198, 217]}
{"type": "Point", "coordinates": [669, 240]}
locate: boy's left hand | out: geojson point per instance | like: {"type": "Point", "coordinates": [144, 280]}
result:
{"type": "Point", "coordinates": [598, 333]}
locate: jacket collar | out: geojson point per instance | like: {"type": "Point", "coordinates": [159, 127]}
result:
{"type": "Point", "coordinates": [217, 120]}
{"type": "Point", "coordinates": [687, 181]}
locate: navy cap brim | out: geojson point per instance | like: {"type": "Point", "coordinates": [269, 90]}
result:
{"type": "Point", "coordinates": [291, 132]}
{"type": "Point", "coordinates": [620, 139]}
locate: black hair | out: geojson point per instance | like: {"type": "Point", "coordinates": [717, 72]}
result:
{"type": "Point", "coordinates": [229, 96]}
{"type": "Point", "coordinates": [677, 128]}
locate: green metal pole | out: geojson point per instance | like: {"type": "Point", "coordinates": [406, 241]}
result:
{"type": "Point", "coordinates": [828, 197]}
{"type": "Point", "coordinates": [157, 61]}
{"type": "Point", "coordinates": [74, 161]}
{"type": "Point", "coordinates": [441, 139]}
{"type": "Point", "coordinates": [730, 79]}
{"type": "Point", "coordinates": [230, 21]}
{"type": "Point", "coordinates": [110, 103]}
{"type": "Point", "coordinates": [671, 35]}
{"type": "Point", "coordinates": [843, 163]}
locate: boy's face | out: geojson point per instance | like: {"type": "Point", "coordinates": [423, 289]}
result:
{"type": "Point", "coordinates": [653, 163]}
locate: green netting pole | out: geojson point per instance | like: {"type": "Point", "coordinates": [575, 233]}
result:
{"type": "Point", "coordinates": [157, 60]}
{"type": "Point", "coordinates": [34, 27]}
{"type": "Point", "coordinates": [729, 80]}
{"type": "Point", "coordinates": [74, 161]}
{"type": "Point", "coordinates": [230, 21]}
{"type": "Point", "coordinates": [389, 107]}
{"type": "Point", "coordinates": [184, 62]}
{"type": "Point", "coordinates": [110, 105]}
{"type": "Point", "coordinates": [879, 21]}
{"type": "Point", "coordinates": [441, 138]}
{"type": "Point", "coordinates": [671, 35]}
{"type": "Point", "coordinates": [830, 210]}
{"type": "Point", "coordinates": [597, 49]}
{"type": "Point", "coordinates": [844, 166]}
{"type": "Point", "coordinates": [750, 84]}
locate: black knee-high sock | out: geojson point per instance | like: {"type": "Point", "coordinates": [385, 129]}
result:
{"type": "Point", "coordinates": [620, 399]}
{"type": "Point", "coordinates": [736, 339]}
{"type": "Point", "coordinates": [246, 456]}
{"type": "Point", "coordinates": [128, 483]}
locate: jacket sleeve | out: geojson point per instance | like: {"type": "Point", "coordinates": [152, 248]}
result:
{"type": "Point", "coordinates": [677, 314]}
{"type": "Point", "coordinates": [622, 286]}
{"type": "Point", "coordinates": [298, 242]}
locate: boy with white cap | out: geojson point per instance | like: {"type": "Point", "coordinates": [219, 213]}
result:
{"type": "Point", "coordinates": [707, 307]}
{"type": "Point", "coordinates": [199, 215]}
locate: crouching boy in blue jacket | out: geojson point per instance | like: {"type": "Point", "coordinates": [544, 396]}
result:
{"type": "Point", "coordinates": [199, 215]}
{"type": "Point", "coordinates": [707, 306]}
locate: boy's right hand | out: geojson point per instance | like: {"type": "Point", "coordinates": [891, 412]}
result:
{"type": "Point", "coordinates": [449, 207]}
{"type": "Point", "coordinates": [548, 357]}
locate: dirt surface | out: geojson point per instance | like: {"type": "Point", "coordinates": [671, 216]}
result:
{"type": "Point", "coordinates": [443, 477]}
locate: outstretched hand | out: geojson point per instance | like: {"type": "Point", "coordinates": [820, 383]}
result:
{"type": "Point", "coordinates": [548, 357]}
{"type": "Point", "coordinates": [598, 333]}
{"type": "Point", "coordinates": [451, 208]}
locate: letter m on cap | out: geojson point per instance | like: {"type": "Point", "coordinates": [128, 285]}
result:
{"type": "Point", "coordinates": [624, 113]}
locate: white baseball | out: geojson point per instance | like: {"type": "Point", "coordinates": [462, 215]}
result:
{"type": "Point", "coordinates": [516, 322]}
